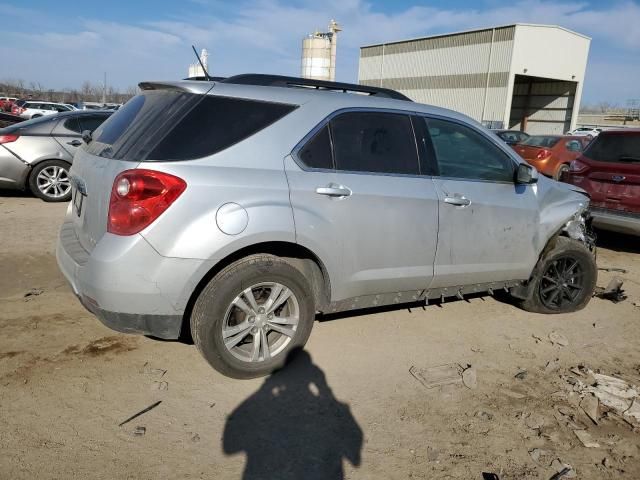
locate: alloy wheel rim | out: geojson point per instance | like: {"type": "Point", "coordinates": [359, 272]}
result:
{"type": "Point", "coordinates": [562, 283]}
{"type": "Point", "coordinates": [260, 322]}
{"type": "Point", "coordinates": [53, 181]}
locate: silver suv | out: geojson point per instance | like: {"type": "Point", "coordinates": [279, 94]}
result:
{"type": "Point", "coordinates": [236, 210]}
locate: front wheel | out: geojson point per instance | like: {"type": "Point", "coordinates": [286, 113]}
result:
{"type": "Point", "coordinates": [49, 180]}
{"type": "Point", "coordinates": [250, 316]}
{"type": "Point", "coordinates": [562, 169]}
{"type": "Point", "coordinates": [564, 279]}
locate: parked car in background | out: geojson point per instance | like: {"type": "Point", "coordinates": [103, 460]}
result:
{"type": "Point", "coordinates": [609, 170]}
{"type": "Point", "coordinates": [550, 154]}
{"type": "Point", "coordinates": [234, 211]}
{"type": "Point", "coordinates": [6, 103]}
{"type": "Point", "coordinates": [511, 137]}
{"type": "Point", "coordinates": [37, 154]}
{"type": "Point", "coordinates": [6, 119]}
{"type": "Point", "coordinates": [590, 132]}
{"type": "Point", "coordinates": [17, 105]}
{"type": "Point", "coordinates": [35, 109]}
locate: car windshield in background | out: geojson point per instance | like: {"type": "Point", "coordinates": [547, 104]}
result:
{"type": "Point", "coordinates": [624, 148]}
{"type": "Point", "coordinates": [153, 126]}
{"type": "Point", "coordinates": [541, 141]}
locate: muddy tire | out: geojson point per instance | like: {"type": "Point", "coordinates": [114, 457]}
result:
{"type": "Point", "coordinates": [564, 279]}
{"type": "Point", "coordinates": [251, 315]}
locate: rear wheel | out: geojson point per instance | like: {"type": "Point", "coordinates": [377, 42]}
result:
{"type": "Point", "coordinates": [562, 169]}
{"type": "Point", "coordinates": [564, 279]}
{"type": "Point", "coordinates": [251, 315]}
{"type": "Point", "coordinates": [49, 180]}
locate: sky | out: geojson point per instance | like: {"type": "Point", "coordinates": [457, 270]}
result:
{"type": "Point", "coordinates": [62, 44]}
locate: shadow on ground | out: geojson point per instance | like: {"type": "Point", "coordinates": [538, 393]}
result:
{"type": "Point", "coordinates": [15, 193]}
{"type": "Point", "coordinates": [618, 242]}
{"type": "Point", "coordinates": [293, 427]}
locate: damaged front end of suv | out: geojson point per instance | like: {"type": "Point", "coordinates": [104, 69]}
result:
{"type": "Point", "coordinates": [566, 267]}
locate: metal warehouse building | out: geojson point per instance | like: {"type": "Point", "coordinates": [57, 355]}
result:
{"type": "Point", "coordinates": [524, 77]}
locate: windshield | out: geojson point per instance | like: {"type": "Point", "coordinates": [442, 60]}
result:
{"type": "Point", "coordinates": [624, 148]}
{"type": "Point", "coordinates": [541, 141]}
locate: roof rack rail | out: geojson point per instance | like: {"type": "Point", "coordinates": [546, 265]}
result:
{"type": "Point", "coordinates": [202, 78]}
{"type": "Point", "coordinates": [284, 81]}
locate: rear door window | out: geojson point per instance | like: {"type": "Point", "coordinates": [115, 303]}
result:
{"type": "Point", "coordinates": [464, 153]}
{"type": "Point", "coordinates": [374, 142]}
{"type": "Point", "coordinates": [172, 125]}
{"type": "Point", "coordinates": [623, 148]}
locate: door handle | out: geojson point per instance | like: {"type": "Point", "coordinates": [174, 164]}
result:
{"type": "Point", "coordinates": [458, 201]}
{"type": "Point", "coordinates": [333, 190]}
{"type": "Point", "coordinates": [75, 143]}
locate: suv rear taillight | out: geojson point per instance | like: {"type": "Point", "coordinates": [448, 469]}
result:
{"type": "Point", "coordinates": [11, 137]}
{"type": "Point", "coordinates": [139, 197]}
{"type": "Point", "coordinates": [577, 166]}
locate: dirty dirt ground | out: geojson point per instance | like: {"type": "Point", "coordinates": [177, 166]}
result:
{"type": "Point", "coordinates": [349, 408]}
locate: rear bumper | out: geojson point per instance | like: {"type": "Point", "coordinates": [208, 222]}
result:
{"type": "Point", "coordinates": [616, 221]}
{"type": "Point", "coordinates": [127, 284]}
{"type": "Point", "coordinates": [13, 171]}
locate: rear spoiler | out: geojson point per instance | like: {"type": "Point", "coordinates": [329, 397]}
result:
{"type": "Point", "coordinates": [181, 86]}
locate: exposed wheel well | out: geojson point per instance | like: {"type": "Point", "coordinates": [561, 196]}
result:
{"type": "Point", "coordinates": [300, 257]}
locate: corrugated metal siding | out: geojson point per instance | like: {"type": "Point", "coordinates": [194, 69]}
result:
{"type": "Point", "coordinates": [450, 71]}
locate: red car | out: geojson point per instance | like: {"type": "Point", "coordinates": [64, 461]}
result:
{"type": "Point", "coordinates": [551, 154]}
{"type": "Point", "coordinates": [609, 170]}
{"type": "Point", "coordinates": [6, 103]}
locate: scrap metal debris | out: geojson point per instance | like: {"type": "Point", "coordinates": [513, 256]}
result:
{"type": "Point", "coordinates": [141, 412]}
{"type": "Point", "coordinates": [613, 269]}
{"type": "Point", "coordinates": [617, 395]}
{"type": "Point", "coordinates": [140, 431]}
{"type": "Point", "coordinates": [586, 439]}
{"type": "Point", "coordinates": [438, 376]}
{"type": "Point", "coordinates": [558, 339]}
{"type": "Point", "coordinates": [613, 291]}
{"type": "Point", "coordinates": [449, 374]}
{"type": "Point", "coordinates": [470, 377]}
{"type": "Point", "coordinates": [33, 292]}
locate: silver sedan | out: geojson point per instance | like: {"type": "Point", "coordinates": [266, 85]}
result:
{"type": "Point", "coordinates": [37, 154]}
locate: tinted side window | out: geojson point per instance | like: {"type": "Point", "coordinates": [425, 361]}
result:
{"type": "Point", "coordinates": [465, 153]}
{"type": "Point", "coordinates": [215, 124]}
{"type": "Point", "coordinates": [374, 142]}
{"type": "Point", "coordinates": [317, 152]}
{"type": "Point", "coordinates": [91, 122]}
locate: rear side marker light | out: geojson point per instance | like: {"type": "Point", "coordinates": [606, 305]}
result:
{"type": "Point", "coordinates": [139, 197]}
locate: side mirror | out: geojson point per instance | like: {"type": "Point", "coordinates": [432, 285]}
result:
{"type": "Point", "coordinates": [86, 136]}
{"type": "Point", "coordinates": [526, 174]}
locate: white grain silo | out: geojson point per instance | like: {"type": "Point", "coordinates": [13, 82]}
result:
{"type": "Point", "coordinates": [195, 69]}
{"type": "Point", "coordinates": [319, 54]}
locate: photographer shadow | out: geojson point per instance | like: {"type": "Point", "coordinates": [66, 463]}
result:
{"type": "Point", "coordinates": [293, 427]}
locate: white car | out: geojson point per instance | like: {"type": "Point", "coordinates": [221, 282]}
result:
{"type": "Point", "coordinates": [35, 109]}
{"type": "Point", "coordinates": [590, 132]}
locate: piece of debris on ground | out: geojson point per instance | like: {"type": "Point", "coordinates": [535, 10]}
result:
{"type": "Point", "coordinates": [141, 412]}
{"type": "Point", "coordinates": [558, 339]}
{"type": "Point", "coordinates": [613, 291]}
{"type": "Point", "coordinates": [438, 376]}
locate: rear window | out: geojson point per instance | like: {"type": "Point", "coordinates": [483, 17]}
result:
{"type": "Point", "coordinates": [172, 125]}
{"type": "Point", "coordinates": [541, 141]}
{"type": "Point", "coordinates": [623, 148]}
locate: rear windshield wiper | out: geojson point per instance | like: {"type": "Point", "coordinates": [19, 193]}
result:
{"type": "Point", "coordinates": [628, 158]}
